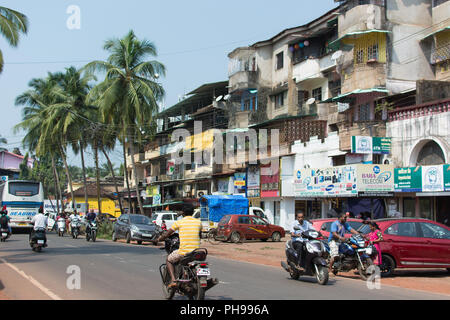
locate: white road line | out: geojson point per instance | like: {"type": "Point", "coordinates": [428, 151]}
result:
{"type": "Point", "coordinates": [33, 281]}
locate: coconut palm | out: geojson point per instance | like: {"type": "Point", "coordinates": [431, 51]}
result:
{"type": "Point", "coordinates": [128, 96]}
{"type": "Point", "coordinates": [12, 24]}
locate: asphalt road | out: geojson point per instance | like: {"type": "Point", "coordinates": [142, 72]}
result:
{"type": "Point", "coordinates": [128, 271]}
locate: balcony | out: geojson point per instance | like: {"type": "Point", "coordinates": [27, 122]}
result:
{"type": "Point", "coordinates": [243, 80]}
{"type": "Point", "coordinates": [312, 68]}
{"type": "Point", "coordinates": [362, 18]}
{"type": "Point", "coordinates": [363, 128]}
{"type": "Point", "coordinates": [426, 109]}
{"type": "Point", "coordinates": [440, 54]}
{"type": "Point", "coordinates": [139, 157]}
{"type": "Point", "coordinates": [364, 77]}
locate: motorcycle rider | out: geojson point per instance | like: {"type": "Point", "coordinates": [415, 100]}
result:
{"type": "Point", "coordinates": [74, 217]}
{"type": "Point", "coordinates": [4, 220]}
{"type": "Point", "coordinates": [39, 221]}
{"type": "Point", "coordinates": [189, 229]}
{"type": "Point", "coordinates": [337, 232]}
{"type": "Point", "coordinates": [297, 240]}
{"type": "Point", "coordinates": [90, 217]}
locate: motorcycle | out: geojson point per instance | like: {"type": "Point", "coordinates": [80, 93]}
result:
{"type": "Point", "coordinates": [312, 263]}
{"type": "Point", "coordinates": [192, 273]}
{"type": "Point", "coordinates": [38, 240]}
{"type": "Point", "coordinates": [91, 231]}
{"type": "Point", "coordinates": [61, 226]}
{"type": "Point", "coordinates": [4, 234]}
{"type": "Point", "coordinates": [76, 229]}
{"type": "Point", "coordinates": [354, 254]}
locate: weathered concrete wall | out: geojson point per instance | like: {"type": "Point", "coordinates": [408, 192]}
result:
{"type": "Point", "coordinates": [361, 18]}
{"type": "Point", "coordinates": [441, 14]}
{"type": "Point", "coordinates": [432, 90]}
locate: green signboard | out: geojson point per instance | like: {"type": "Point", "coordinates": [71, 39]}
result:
{"type": "Point", "coordinates": [408, 179]}
{"type": "Point", "coordinates": [371, 145]}
{"type": "Point", "coordinates": [447, 177]}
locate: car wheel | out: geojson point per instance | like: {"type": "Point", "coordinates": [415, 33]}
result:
{"type": "Point", "coordinates": [128, 237]}
{"type": "Point", "coordinates": [114, 237]}
{"type": "Point", "coordinates": [448, 270]}
{"type": "Point", "coordinates": [235, 237]}
{"type": "Point", "coordinates": [387, 265]}
{"type": "Point", "coordinates": [276, 237]}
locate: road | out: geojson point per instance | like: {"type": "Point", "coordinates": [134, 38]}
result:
{"type": "Point", "coordinates": [112, 271]}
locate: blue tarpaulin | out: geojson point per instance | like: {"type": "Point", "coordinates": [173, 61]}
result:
{"type": "Point", "coordinates": [219, 206]}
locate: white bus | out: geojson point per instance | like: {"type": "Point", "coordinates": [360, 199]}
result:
{"type": "Point", "coordinates": [22, 200]}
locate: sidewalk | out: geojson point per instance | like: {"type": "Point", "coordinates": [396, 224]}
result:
{"type": "Point", "coordinates": [272, 253]}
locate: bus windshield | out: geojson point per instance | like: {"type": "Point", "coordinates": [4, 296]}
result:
{"type": "Point", "coordinates": [24, 189]}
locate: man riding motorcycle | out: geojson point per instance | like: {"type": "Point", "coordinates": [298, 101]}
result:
{"type": "Point", "coordinates": [39, 221]}
{"type": "Point", "coordinates": [4, 220]}
{"type": "Point", "coordinates": [298, 227]}
{"type": "Point", "coordinates": [189, 229]}
{"type": "Point", "coordinates": [337, 232]}
{"type": "Point", "coordinates": [90, 217]}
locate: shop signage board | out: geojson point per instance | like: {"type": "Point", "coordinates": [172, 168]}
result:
{"type": "Point", "coordinates": [375, 178]}
{"type": "Point", "coordinates": [326, 182]}
{"type": "Point", "coordinates": [446, 168]}
{"type": "Point", "coordinates": [432, 178]}
{"type": "Point", "coordinates": [371, 145]}
{"type": "Point", "coordinates": [253, 177]}
{"type": "Point", "coordinates": [270, 184]}
{"type": "Point", "coordinates": [408, 179]}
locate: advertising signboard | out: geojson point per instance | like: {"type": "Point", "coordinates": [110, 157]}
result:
{"type": "Point", "coordinates": [375, 178]}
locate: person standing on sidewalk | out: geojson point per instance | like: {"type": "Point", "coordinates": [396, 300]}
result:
{"type": "Point", "coordinates": [375, 237]}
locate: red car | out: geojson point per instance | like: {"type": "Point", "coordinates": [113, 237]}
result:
{"type": "Point", "coordinates": [324, 226]}
{"type": "Point", "coordinates": [236, 228]}
{"type": "Point", "coordinates": [413, 243]}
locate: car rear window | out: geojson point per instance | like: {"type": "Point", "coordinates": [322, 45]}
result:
{"type": "Point", "coordinates": [23, 189]}
{"type": "Point", "coordinates": [225, 220]}
{"type": "Point", "coordinates": [140, 220]}
{"type": "Point", "coordinates": [430, 230]}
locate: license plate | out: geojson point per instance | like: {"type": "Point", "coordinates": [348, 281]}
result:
{"type": "Point", "coordinates": [4, 234]}
{"type": "Point", "coordinates": [147, 235]}
{"type": "Point", "coordinates": [22, 224]}
{"type": "Point", "coordinates": [203, 272]}
{"type": "Point", "coordinates": [40, 242]}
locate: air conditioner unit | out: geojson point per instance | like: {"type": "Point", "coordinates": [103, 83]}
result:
{"type": "Point", "coordinates": [201, 193]}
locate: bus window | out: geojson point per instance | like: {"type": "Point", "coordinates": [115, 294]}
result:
{"type": "Point", "coordinates": [23, 189]}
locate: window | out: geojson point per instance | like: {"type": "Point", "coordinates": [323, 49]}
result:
{"type": "Point", "coordinates": [359, 56]}
{"type": "Point", "coordinates": [317, 94]}
{"type": "Point", "coordinates": [431, 230]}
{"type": "Point", "coordinates": [244, 220]}
{"type": "Point", "coordinates": [280, 61]}
{"type": "Point", "coordinates": [364, 112]}
{"type": "Point", "coordinates": [166, 217]}
{"type": "Point", "coordinates": [140, 220]}
{"type": "Point", "coordinates": [23, 189]}
{"type": "Point", "coordinates": [259, 221]}
{"type": "Point", "coordinates": [405, 229]}
{"type": "Point", "coordinates": [372, 52]}
{"type": "Point", "coordinates": [279, 100]}
{"type": "Point", "coordinates": [438, 2]}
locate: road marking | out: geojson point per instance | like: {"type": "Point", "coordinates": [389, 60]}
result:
{"type": "Point", "coordinates": [70, 246]}
{"type": "Point", "coordinates": [33, 281]}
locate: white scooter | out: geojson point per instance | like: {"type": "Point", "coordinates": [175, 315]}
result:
{"type": "Point", "coordinates": [61, 226]}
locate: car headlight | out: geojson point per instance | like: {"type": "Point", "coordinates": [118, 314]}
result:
{"type": "Point", "coordinates": [134, 228]}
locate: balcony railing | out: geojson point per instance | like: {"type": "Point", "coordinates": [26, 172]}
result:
{"type": "Point", "coordinates": [426, 109]}
{"type": "Point", "coordinates": [441, 54]}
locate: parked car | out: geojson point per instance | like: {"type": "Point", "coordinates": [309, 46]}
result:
{"type": "Point", "coordinates": [107, 216]}
{"type": "Point", "coordinates": [236, 228]}
{"type": "Point", "coordinates": [413, 243]}
{"type": "Point", "coordinates": [136, 227]}
{"type": "Point", "coordinates": [168, 216]}
{"type": "Point", "coordinates": [324, 226]}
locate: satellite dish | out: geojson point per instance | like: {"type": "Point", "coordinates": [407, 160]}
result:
{"type": "Point", "coordinates": [336, 55]}
{"type": "Point", "coordinates": [311, 101]}
{"type": "Point", "coordinates": [219, 98]}
{"type": "Point", "coordinates": [227, 97]}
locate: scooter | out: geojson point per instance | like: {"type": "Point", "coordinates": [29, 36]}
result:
{"type": "Point", "coordinates": [313, 262]}
{"type": "Point", "coordinates": [61, 226]}
{"type": "Point", "coordinates": [38, 240]}
{"type": "Point", "coordinates": [76, 228]}
{"type": "Point", "coordinates": [4, 234]}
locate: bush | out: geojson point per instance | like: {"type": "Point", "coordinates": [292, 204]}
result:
{"type": "Point", "coordinates": [105, 230]}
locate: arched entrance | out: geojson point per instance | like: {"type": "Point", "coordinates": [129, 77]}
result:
{"type": "Point", "coordinates": [427, 152]}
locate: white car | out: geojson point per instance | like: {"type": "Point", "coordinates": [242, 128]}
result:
{"type": "Point", "coordinates": [168, 216]}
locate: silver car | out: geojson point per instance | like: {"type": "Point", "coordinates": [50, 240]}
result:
{"type": "Point", "coordinates": [136, 227]}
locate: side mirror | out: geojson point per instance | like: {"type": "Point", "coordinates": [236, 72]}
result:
{"type": "Point", "coordinates": [324, 228]}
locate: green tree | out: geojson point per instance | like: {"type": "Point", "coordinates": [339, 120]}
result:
{"type": "Point", "coordinates": [12, 24]}
{"type": "Point", "coordinates": [128, 96]}
{"type": "Point", "coordinates": [25, 171]}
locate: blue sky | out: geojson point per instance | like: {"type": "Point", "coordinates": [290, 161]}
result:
{"type": "Point", "coordinates": [193, 39]}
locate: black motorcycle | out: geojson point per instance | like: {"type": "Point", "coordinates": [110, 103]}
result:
{"type": "Point", "coordinates": [91, 231]}
{"type": "Point", "coordinates": [312, 263]}
{"type": "Point", "coordinates": [38, 240]}
{"type": "Point", "coordinates": [76, 229]}
{"type": "Point", "coordinates": [191, 272]}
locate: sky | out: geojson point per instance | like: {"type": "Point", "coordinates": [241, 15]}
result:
{"type": "Point", "coordinates": [193, 39]}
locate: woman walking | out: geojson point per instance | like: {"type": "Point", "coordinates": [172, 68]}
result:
{"type": "Point", "coordinates": [375, 237]}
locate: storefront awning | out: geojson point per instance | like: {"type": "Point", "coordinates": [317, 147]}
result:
{"type": "Point", "coordinates": [435, 32]}
{"type": "Point", "coordinates": [357, 91]}
{"type": "Point", "coordinates": [334, 45]}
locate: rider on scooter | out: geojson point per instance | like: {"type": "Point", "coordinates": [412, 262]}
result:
{"type": "Point", "coordinates": [90, 217]}
{"type": "Point", "coordinates": [39, 221]}
{"type": "Point", "coordinates": [299, 226]}
{"type": "Point", "coordinates": [4, 220]}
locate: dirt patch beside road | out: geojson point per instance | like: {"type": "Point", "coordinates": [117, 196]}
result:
{"type": "Point", "coordinates": [272, 253]}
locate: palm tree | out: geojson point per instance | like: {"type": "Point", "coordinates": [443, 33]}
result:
{"type": "Point", "coordinates": [12, 23]}
{"type": "Point", "coordinates": [128, 96]}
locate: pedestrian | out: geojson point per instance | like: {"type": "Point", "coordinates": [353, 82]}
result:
{"type": "Point", "coordinates": [375, 237]}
